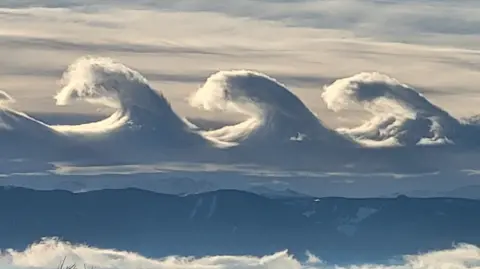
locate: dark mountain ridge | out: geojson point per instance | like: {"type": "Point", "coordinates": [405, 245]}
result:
{"type": "Point", "coordinates": [238, 223]}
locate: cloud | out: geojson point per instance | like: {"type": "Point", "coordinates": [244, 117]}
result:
{"type": "Point", "coordinates": [5, 98]}
{"type": "Point", "coordinates": [275, 113]}
{"type": "Point", "coordinates": [180, 42]}
{"type": "Point", "coordinates": [393, 20]}
{"type": "Point", "coordinates": [401, 115]}
{"type": "Point", "coordinates": [50, 252]}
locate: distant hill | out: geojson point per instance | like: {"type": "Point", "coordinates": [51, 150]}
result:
{"type": "Point", "coordinates": [236, 222]}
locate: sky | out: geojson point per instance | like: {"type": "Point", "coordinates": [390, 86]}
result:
{"type": "Point", "coordinates": [305, 44]}
{"type": "Point", "coordinates": [326, 52]}
{"type": "Point", "coordinates": [302, 46]}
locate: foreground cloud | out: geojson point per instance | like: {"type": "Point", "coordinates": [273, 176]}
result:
{"type": "Point", "coordinates": [50, 252]}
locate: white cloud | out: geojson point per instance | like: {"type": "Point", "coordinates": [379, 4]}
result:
{"type": "Point", "coordinates": [49, 253]}
{"type": "Point", "coordinates": [400, 114]}
{"type": "Point", "coordinates": [5, 98]}
{"type": "Point", "coordinates": [178, 44]}
{"type": "Point", "coordinates": [276, 114]}
{"type": "Point", "coordinates": [388, 18]}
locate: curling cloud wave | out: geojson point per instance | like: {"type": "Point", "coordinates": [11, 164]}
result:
{"type": "Point", "coordinates": [138, 107]}
{"type": "Point", "coordinates": [400, 114]}
{"type": "Point", "coordinates": [144, 121]}
{"type": "Point", "coordinates": [50, 252]}
{"type": "Point", "coordinates": [143, 118]}
{"type": "Point", "coordinates": [275, 113]}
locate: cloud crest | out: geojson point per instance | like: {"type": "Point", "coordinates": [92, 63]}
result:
{"type": "Point", "coordinates": [275, 114]}
{"type": "Point", "coordinates": [401, 116]}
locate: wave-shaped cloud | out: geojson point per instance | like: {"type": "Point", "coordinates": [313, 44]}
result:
{"type": "Point", "coordinates": [50, 252]}
{"type": "Point", "coordinates": [144, 125]}
{"type": "Point", "coordinates": [5, 98]}
{"type": "Point", "coordinates": [275, 113]}
{"type": "Point", "coordinates": [401, 115]}
{"type": "Point", "coordinates": [138, 107]}
{"type": "Point", "coordinates": [143, 119]}
{"type": "Point", "coordinates": [23, 136]}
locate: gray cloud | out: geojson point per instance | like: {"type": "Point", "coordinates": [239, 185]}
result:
{"type": "Point", "coordinates": [391, 20]}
